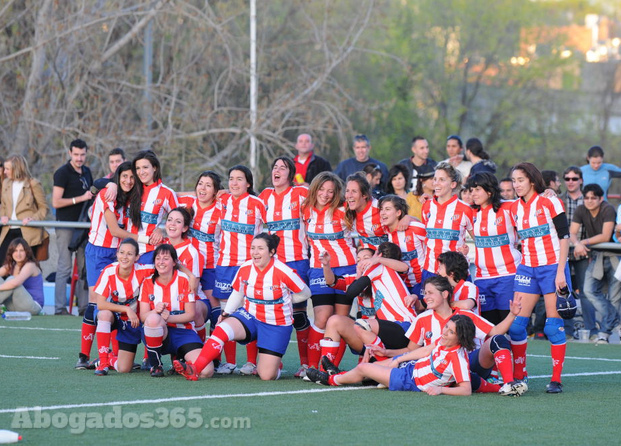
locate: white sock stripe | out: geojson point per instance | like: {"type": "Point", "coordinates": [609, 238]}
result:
{"type": "Point", "coordinates": [104, 327]}
{"type": "Point", "coordinates": [153, 332]}
{"type": "Point", "coordinates": [228, 330]}
{"type": "Point", "coordinates": [317, 329]}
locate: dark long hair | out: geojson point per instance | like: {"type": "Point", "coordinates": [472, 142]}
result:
{"type": "Point", "coordinates": [465, 331]}
{"type": "Point", "coordinates": [365, 191]}
{"type": "Point", "coordinates": [248, 174]}
{"type": "Point", "coordinates": [132, 199]}
{"type": "Point", "coordinates": [9, 263]}
{"type": "Point", "coordinates": [489, 183]}
{"type": "Point", "coordinates": [187, 219]}
{"type": "Point", "coordinates": [393, 172]}
{"type": "Point", "coordinates": [533, 174]}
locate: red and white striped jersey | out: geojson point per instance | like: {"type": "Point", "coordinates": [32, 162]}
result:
{"type": "Point", "coordinates": [446, 225]}
{"type": "Point", "coordinates": [122, 291]}
{"type": "Point", "coordinates": [176, 294]}
{"type": "Point", "coordinates": [412, 244]}
{"type": "Point", "coordinates": [240, 220]}
{"type": "Point", "coordinates": [327, 232]}
{"type": "Point", "coordinates": [284, 218]}
{"type": "Point", "coordinates": [204, 230]}
{"type": "Point", "coordinates": [495, 241]}
{"type": "Point", "coordinates": [268, 293]}
{"type": "Point", "coordinates": [100, 235]}
{"type": "Point", "coordinates": [188, 256]}
{"type": "Point", "coordinates": [443, 367]}
{"type": "Point", "coordinates": [365, 299]}
{"type": "Point", "coordinates": [540, 242]}
{"type": "Point", "coordinates": [388, 294]}
{"type": "Point", "coordinates": [369, 227]}
{"type": "Point", "coordinates": [157, 201]}
{"type": "Point", "coordinates": [467, 290]}
{"type": "Point", "coordinates": [428, 327]}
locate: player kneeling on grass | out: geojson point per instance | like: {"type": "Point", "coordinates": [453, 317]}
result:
{"type": "Point", "coordinates": [267, 288]}
{"type": "Point", "coordinates": [438, 368]}
{"type": "Point", "coordinates": [116, 292]}
{"type": "Point", "coordinates": [167, 311]}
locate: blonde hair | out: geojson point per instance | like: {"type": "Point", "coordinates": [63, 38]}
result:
{"type": "Point", "coordinates": [19, 166]}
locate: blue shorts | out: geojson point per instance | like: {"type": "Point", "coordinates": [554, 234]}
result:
{"type": "Point", "coordinates": [301, 267]}
{"type": "Point", "coordinates": [274, 338]}
{"type": "Point", "coordinates": [125, 332]}
{"type": "Point", "coordinates": [97, 258]}
{"type": "Point", "coordinates": [475, 367]}
{"type": "Point", "coordinates": [177, 338]}
{"type": "Point", "coordinates": [208, 279]}
{"type": "Point", "coordinates": [401, 378]}
{"type": "Point", "coordinates": [538, 280]}
{"type": "Point", "coordinates": [206, 302]}
{"type": "Point", "coordinates": [318, 281]}
{"type": "Point", "coordinates": [495, 292]}
{"type": "Point", "coordinates": [148, 258]}
{"type": "Point", "coordinates": [223, 285]}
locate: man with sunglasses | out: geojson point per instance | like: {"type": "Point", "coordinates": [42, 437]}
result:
{"type": "Point", "coordinates": [572, 198]}
{"type": "Point", "coordinates": [72, 183]}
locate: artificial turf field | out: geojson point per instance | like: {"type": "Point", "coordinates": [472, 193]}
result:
{"type": "Point", "coordinates": [36, 369]}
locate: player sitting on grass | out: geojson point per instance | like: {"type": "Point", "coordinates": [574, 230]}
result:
{"type": "Point", "coordinates": [438, 368]}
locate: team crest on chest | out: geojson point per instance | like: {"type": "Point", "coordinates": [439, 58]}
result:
{"type": "Point", "coordinates": [429, 334]}
{"type": "Point", "coordinates": [157, 201]}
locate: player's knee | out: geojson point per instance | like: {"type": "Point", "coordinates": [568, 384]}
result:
{"type": "Point", "coordinates": [105, 316]}
{"type": "Point", "coordinates": [517, 331]}
{"type": "Point", "coordinates": [300, 320]}
{"type": "Point", "coordinates": [554, 329]}
{"type": "Point", "coordinates": [89, 314]}
{"type": "Point", "coordinates": [213, 317]}
{"type": "Point", "coordinates": [499, 342]}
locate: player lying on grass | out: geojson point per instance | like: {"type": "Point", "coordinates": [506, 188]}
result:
{"type": "Point", "coordinates": [437, 368]}
{"type": "Point", "coordinates": [492, 347]}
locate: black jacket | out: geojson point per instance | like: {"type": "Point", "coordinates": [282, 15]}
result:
{"type": "Point", "coordinates": [316, 166]}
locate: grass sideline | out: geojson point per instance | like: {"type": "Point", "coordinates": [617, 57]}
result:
{"type": "Point", "coordinates": [290, 411]}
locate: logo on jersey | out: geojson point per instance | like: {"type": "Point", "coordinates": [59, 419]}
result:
{"type": "Point", "coordinates": [157, 201]}
{"type": "Point", "coordinates": [498, 221]}
{"type": "Point", "coordinates": [428, 334]}
{"type": "Point", "coordinates": [456, 217]}
{"type": "Point", "coordinates": [115, 293]}
{"type": "Point", "coordinates": [152, 297]}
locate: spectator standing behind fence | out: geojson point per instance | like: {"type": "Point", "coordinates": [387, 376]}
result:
{"type": "Point", "coordinates": [419, 162]}
{"type": "Point", "coordinates": [22, 199]}
{"type": "Point", "coordinates": [72, 183]}
{"type": "Point", "coordinates": [573, 198]}
{"type": "Point", "coordinates": [598, 219]}
{"type": "Point", "coordinates": [362, 148]}
{"type": "Point", "coordinates": [307, 164]}
{"type": "Point", "coordinates": [480, 159]}
{"type": "Point", "coordinates": [597, 171]}
{"type": "Point", "coordinates": [116, 157]}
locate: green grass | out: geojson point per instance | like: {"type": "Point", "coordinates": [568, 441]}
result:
{"type": "Point", "coordinates": [583, 414]}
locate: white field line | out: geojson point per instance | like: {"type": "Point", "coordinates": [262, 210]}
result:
{"type": "Point", "coordinates": [28, 357]}
{"type": "Point", "coordinates": [576, 357]}
{"type": "Point", "coordinates": [242, 395]}
{"type": "Point", "coordinates": [185, 398]}
{"type": "Point", "coordinates": [40, 328]}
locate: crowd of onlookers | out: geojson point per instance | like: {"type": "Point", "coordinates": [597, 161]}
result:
{"type": "Point", "coordinates": [583, 191]}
